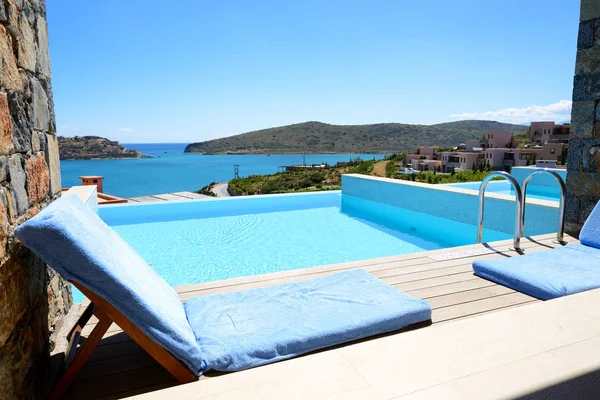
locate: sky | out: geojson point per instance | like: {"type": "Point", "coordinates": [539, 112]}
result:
{"type": "Point", "coordinates": [148, 71]}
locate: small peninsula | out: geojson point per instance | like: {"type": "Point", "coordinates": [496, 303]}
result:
{"type": "Point", "coordinates": [318, 137]}
{"type": "Point", "coordinates": [93, 147]}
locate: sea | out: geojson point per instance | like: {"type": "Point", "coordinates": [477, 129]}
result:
{"type": "Point", "coordinates": [171, 170]}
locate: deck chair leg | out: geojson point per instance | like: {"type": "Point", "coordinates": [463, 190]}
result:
{"type": "Point", "coordinates": [77, 358]}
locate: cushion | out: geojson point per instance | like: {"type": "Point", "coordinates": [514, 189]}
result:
{"type": "Point", "coordinates": [249, 328]}
{"type": "Point", "coordinates": [546, 274]}
{"type": "Point", "coordinates": [74, 241]}
{"type": "Point", "coordinates": [590, 233]}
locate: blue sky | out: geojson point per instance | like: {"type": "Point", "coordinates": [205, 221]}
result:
{"type": "Point", "coordinates": [156, 71]}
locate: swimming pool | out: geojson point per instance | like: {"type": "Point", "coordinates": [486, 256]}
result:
{"type": "Point", "coordinates": [207, 240]}
{"type": "Point", "coordinates": [539, 192]}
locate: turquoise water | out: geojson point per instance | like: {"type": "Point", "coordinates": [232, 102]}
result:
{"type": "Point", "coordinates": [171, 170]}
{"type": "Point", "coordinates": [504, 187]}
{"type": "Point", "coordinates": [203, 241]}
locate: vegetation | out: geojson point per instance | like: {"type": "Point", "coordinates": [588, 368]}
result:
{"type": "Point", "coordinates": [317, 137]}
{"type": "Point", "coordinates": [288, 182]}
{"type": "Point", "coordinates": [207, 190]}
{"type": "Point", "coordinates": [457, 177]}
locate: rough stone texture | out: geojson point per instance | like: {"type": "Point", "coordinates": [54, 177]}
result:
{"type": "Point", "coordinates": [9, 74]}
{"type": "Point", "coordinates": [6, 138]}
{"type": "Point", "coordinates": [33, 298]}
{"type": "Point", "coordinates": [37, 179]}
{"type": "Point", "coordinates": [585, 38]}
{"type": "Point", "coordinates": [17, 184]}
{"type": "Point", "coordinates": [590, 9]}
{"type": "Point", "coordinates": [53, 161]}
{"type": "Point", "coordinates": [43, 56]}
{"type": "Point", "coordinates": [27, 43]}
{"type": "Point", "coordinates": [21, 112]}
{"type": "Point", "coordinates": [41, 112]}
{"type": "Point", "coordinates": [583, 165]}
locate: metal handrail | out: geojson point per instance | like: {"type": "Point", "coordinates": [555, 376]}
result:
{"type": "Point", "coordinates": [561, 211]}
{"type": "Point", "coordinates": [519, 195]}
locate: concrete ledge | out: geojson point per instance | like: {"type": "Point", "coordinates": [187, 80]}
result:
{"type": "Point", "coordinates": [88, 194]}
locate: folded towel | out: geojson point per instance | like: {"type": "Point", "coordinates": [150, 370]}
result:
{"type": "Point", "coordinates": [245, 329]}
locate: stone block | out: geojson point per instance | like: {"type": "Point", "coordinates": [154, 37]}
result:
{"type": "Point", "coordinates": [583, 183]}
{"type": "Point", "coordinates": [590, 9]}
{"type": "Point", "coordinates": [42, 56]}
{"type": "Point", "coordinates": [27, 45]}
{"type": "Point", "coordinates": [41, 114]}
{"type": "Point", "coordinates": [594, 85]}
{"type": "Point", "coordinates": [581, 87]}
{"type": "Point", "coordinates": [590, 156]}
{"type": "Point", "coordinates": [14, 297]}
{"type": "Point", "coordinates": [53, 161]}
{"type": "Point", "coordinates": [6, 136]}
{"type": "Point", "coordinates": [573, 228]}
{"type": "Point", "coordinates": [3, 13]}
{"type": "Point", "coordinates": [586, 206]}
{"type": "Point", "coordinates": [9, 74]}
{"type": "Point", "coordinates": [571, 207]}
{"type": "Point", "coordinates": [17, 184]}
{"type": "Point", "coordinates": [588, 61]}
{"type": "Point", "coordinates": [582, 129]}
{"type": "Point", "coordinates": [35, 142]}
{"type": "Point", "coordinates": [583, 112]}
{"type": "Point", "coordinates": [575, 155]}
{"type": "Point", "coordinates": [22, 121]}
{"type": "Point", "coordinates": [585, 38]}
{"type": "Point", "coordinates": [38, 180]}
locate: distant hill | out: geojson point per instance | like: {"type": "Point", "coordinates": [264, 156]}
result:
{"type": "Point", "coordinates": [92, 147]}
{"type": "Point", "coordinates": [318, 137]}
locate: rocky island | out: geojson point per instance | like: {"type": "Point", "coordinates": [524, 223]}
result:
{"type": "Point", "coordinates": [93, 147]}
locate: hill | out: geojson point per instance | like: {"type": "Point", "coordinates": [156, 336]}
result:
{"type": "Point", "coordinates": [318, 137]}
{"type": "Point", "coordinates": [92, 147]}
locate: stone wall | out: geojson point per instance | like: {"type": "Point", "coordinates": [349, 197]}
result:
{"type": "Point", "coordinates": [33, 299]}
{"type": "Point", "coordinates": [583, 176]}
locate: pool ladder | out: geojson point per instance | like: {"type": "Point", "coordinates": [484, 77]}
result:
{"type": "Point", "coordinates": [521, 197]}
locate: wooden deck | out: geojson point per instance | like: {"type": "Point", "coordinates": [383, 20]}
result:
{"type": "Point", "coordinates": [119, 368]}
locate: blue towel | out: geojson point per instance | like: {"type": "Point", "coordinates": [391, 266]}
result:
{"type": "Point", "coordinates": [74, 241]}
{"type": "Point", "coordinates": [547, 274]}
{"type": "Point", "coordinates": [590, 233]}
{"type": "Point", "coordinates": [246, 329]}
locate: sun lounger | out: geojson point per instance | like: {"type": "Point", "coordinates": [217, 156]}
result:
{"type": "Point", "coordinates": [224, 332]}
{"type": "Point", "coordinates": [554, 273]}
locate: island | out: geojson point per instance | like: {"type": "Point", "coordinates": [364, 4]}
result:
{"type": "Point", "coordinates": [93, 147]}
{"type": "Point", "coordinates": [318, 137]}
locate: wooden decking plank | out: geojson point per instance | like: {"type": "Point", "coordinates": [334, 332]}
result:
{"type": "Point", "coordinates": [467, 296]}
{"type": "Point", "coordinates": [477, 307]}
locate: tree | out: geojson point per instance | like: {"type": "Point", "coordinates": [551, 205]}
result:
{"type": "Point", "coordinates": [474, 166]}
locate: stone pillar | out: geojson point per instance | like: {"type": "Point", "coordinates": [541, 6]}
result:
{"type": "Point", "coordinates": [583, 176]}
{"type": "Point", "coordinates": [33, 298]}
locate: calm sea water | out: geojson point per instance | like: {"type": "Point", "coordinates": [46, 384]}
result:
{"type": "Point", "coordinates": [172, 170]}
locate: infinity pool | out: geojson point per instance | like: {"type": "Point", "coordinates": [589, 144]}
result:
{"type": "Point", "coordinates": [208, 240]}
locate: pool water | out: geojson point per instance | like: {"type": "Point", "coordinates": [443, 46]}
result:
{"type": "Point", "coordinates": [194, 242]}
{"type": "Point", "coordinates": [551, 193]}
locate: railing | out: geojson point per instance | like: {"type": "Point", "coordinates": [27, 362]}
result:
{"type": "Point", "coordinates": [518, 194]}
{"type": "Point", "coordinates": [561, 211]}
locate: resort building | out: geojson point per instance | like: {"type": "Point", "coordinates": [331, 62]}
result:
{"type": "Point", "coordinates": [548, 131]}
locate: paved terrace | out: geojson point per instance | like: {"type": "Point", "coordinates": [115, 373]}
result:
{"type": "Point", "coordinates": [480, 329]}
{"type": "Point", "coordinates": [168, 197]}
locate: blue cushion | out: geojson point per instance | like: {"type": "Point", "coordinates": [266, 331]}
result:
{"type": "Point", "coordinates": [590, 233]}
{"type": "Point", "coordinates": [245, 329]}
{"type": "Point", "coordinates": [74, 241]}
{"type": "Point", "coordinates": [547, 274]}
